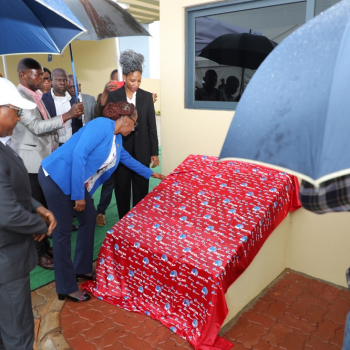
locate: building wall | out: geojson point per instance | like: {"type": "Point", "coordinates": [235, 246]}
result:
{"type": "Point", "coordinates": [318, 245]}
{"type": "Point", "coordinates": [184, 131]}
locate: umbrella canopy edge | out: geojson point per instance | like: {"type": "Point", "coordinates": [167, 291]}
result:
{"type": "Point", "coordinates": [314, 182]}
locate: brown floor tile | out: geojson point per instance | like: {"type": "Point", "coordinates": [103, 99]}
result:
{"type": "Point", "coordinates": [316, 288]}
{"type": "Point", "coordinates": [237, 329]}
{"type": "Point", "coordinates": [296, 313]}
{"type": "Point", "coordinates": [281, 295]}
{"type": "Point", "coordinates": [263, 304]}
{"type": "Point", "coordinates": [341, 305]}
{"type": "Point", "coordinates": [262, 320]}
{"type": "Point", "coordinates": [313, 300]}
{"type": "Point", "coordinates": [179, 341]}
{"type": "Point", "coordinates": [317, 344]}
{"type": "Point", "coordinates": [74, 330]}
{"type": "Point", "coordinates": [277, 334]}
{"type": "Point", "coordinates": [330, 293]}
{"type": "Point", "coordinates": [339, 337]}
{"type": "Point", "coordinates": [239, 346]}
{"type": "Point", "coordinates": [298, 309]}
{"type": "Point", "coordinates": [170, 344]}
{"type": "Point", "coordinates": [125, 319]}
{"type": "Point", "coordinates": [99, 328]}
{"type": "Point", "coordinates": [146, 328]}
{"type": "Point", "coordinates": [326, 330]}
{"type": "Point", "coordinates": [252, 335]}
{"type": "Point", "coordinates": [264, 345]}
{"type": "Point", "coordinates": [314, 314]}
{"type": "Point", "coordinates": [344, 294]}
{"type": "Point", "coordinates": [336, 317]}
{"type": "Point", "coordinates": [112, 335]}
{"type": "Point", "coordinates": [294, 340]}
{"type": "Point", "coordinates": [80, 343]}
{"type": "Point", "coordinates": [276, 310]}
{"type": "Point", "coordinates": [297, 324]}
{"type": "Point", "coordinates": [298, 279]}
{"type": "Point", "coordinates": [90, 314]}
{"type": "Point", "coordinates": [115, 346]}
{"type": "Point", "coordinates": [160, 335]}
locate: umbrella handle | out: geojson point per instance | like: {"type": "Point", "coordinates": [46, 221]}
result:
{"type": "Point", "coordinates": [74, 77]}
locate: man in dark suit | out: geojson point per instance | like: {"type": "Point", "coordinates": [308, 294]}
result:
{"type": "Point", "coordinates": [88, 100]}
{"type": "Point", "coordinates": [22, 220]}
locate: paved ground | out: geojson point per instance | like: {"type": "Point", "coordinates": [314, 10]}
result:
{"type": "Point", "coordinates": [294, 312]}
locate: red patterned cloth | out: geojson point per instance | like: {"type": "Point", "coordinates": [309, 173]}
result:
{"type": "Point", "coordinates": [175, 254]}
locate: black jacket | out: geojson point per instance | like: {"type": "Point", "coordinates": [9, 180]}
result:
{"type": "Point", "coordinates": [18, 222]}
{"type": "Point", "coordinates": [143, 142]}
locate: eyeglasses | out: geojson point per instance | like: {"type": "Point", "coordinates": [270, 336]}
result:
{"type": "Point", "coordinates": [19, 110]}
{"type": "Point", "coordinates": [135, 123]}
{"type": "Point", "coordinates": [48, 78]}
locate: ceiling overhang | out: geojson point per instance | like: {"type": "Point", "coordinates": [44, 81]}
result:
{"type": "Point", "coordinates": [144, 11]}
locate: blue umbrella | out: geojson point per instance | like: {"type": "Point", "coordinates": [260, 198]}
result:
{"type": "Point", "coordinates": [36, 26]}
{"type": "Point", "coordinates": [294, 114]}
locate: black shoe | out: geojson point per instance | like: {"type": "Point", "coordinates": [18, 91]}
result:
{"type": "Point", "coordinates": [46, 262]}
{"type": "Point", "coordinates": [84, 297]}
{"type": "Point", "coordinates": [87, 277]}
{"type": "Point", "coordinates": [74, 227]}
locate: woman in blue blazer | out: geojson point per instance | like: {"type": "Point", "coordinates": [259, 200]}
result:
{"type": "Point", "coordinates": [70, 175]}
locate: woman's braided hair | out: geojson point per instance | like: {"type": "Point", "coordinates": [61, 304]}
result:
{"type": "Point", "coordinates": [117, 110]}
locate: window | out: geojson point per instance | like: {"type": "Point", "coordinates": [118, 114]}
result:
{"type": "Point", "coordinates": [227, 41]}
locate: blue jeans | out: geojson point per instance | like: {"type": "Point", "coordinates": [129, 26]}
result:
{"type": "Point", "coordinates": [346, 343]}
{"type": "Point", "coordinates": [62, 206]}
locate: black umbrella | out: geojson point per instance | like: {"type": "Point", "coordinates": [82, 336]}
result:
{"type": "Point", "coordinates": [241, 50]}
{"type": "Point", "coordinates": [103, 19]}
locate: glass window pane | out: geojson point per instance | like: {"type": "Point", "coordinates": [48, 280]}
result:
{"type": "Point", "coordinates": [231, 46]}
{"type": "Point", "coordinates": [322, 5]}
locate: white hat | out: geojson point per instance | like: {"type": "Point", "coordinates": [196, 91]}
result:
{"type": "Point", "coordinates": [9, 95]}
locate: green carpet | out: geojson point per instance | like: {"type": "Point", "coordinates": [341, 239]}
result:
{"type": "Point", "coordinates": [40, 277]}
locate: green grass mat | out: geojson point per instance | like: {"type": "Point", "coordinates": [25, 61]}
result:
{"type": "Point", "coordinates": [40, 277]}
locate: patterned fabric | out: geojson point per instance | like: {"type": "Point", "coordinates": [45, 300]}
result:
{"type": "Point", "coordinates": [175, 254]}
{"type": "Point", "coordinates": [90, 183]}
{"type": "Point", "coordinates": [332, 195]}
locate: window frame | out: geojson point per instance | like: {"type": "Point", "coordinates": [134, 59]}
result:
{"type": "Point", "coordinates": [210, 9]}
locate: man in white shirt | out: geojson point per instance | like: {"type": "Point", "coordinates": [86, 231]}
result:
{"type": "Point", "coordinates": [59, 101]}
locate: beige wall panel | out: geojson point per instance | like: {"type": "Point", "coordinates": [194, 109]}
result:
{"type": "Point", "coordinates": [184, 131]}
{"type": "Point", "coordinates": [267, 265]}
{"type": "Point", "coordinates": [319, 245]}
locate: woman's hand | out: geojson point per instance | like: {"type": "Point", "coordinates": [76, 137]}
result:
{"type": "Point", "coordinates": [154, 96]}
{"type": "Point", "coordinates": [80, 205]}
{"type": "Point", "coordinates": [49, 218]}
{"type": "Point", "coordinates": [158, 176]}
{"type": "Point", "coordinates": [154, 161]}
{"type": "Point", "coordinates": [110, 86]}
